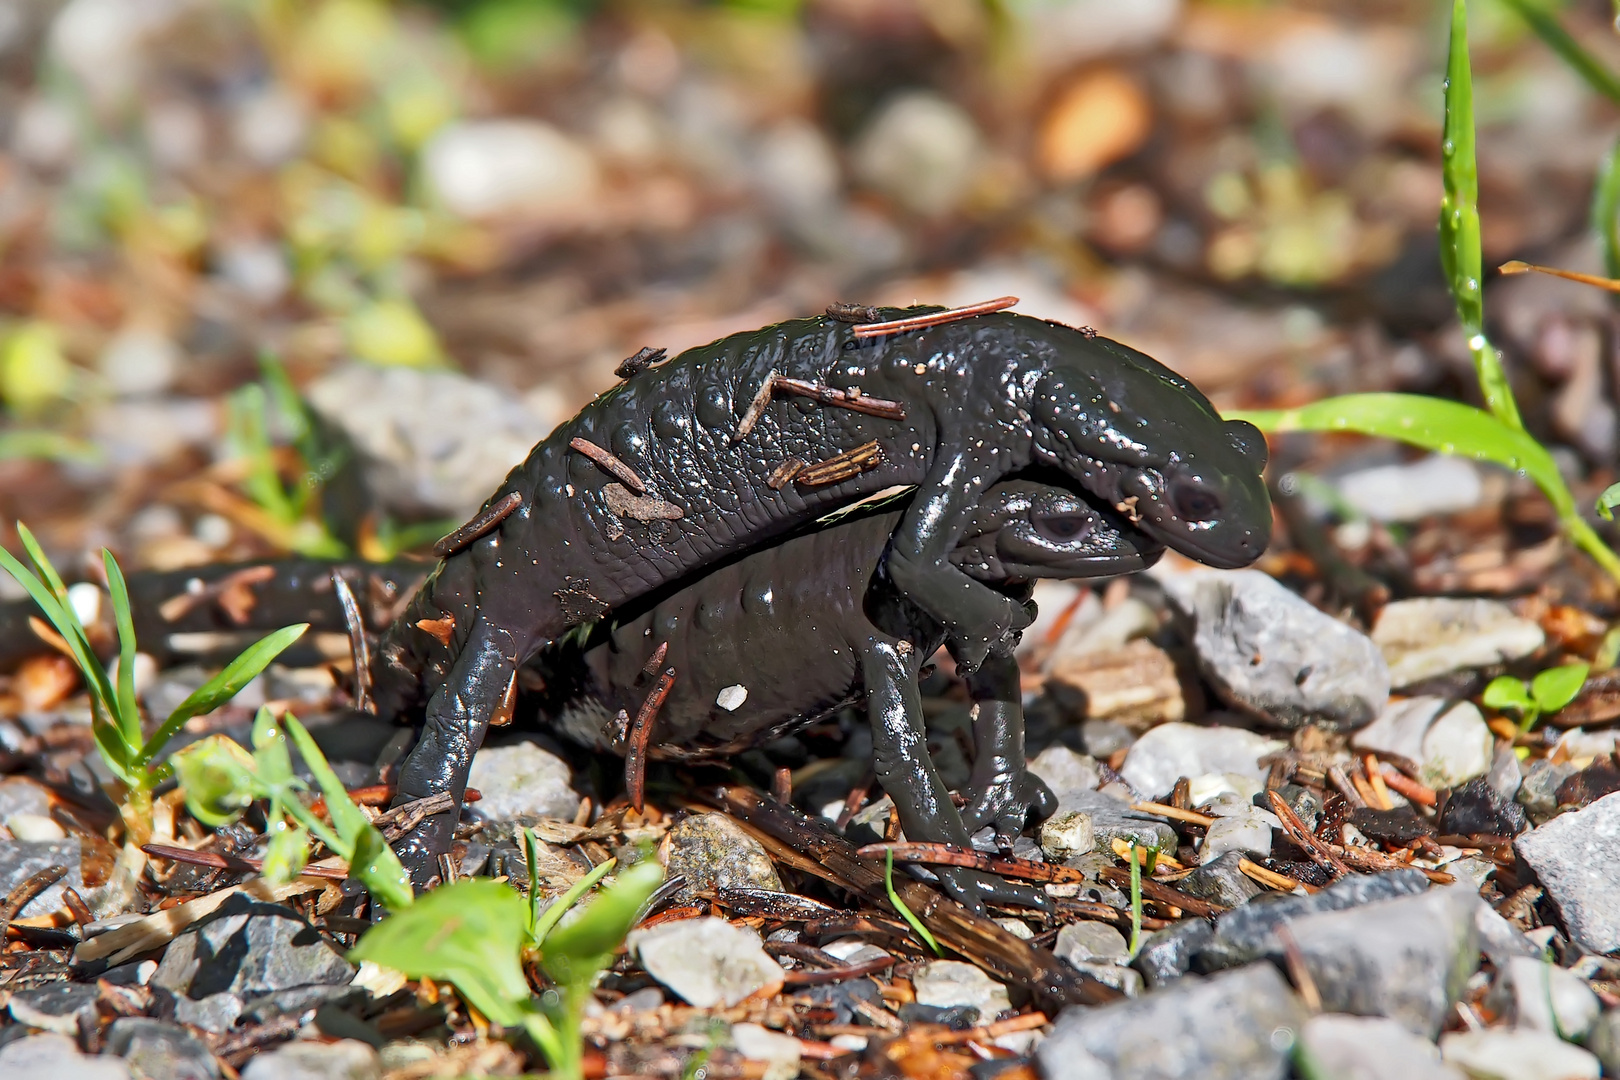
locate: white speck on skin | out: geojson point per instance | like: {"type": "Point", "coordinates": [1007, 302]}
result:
{"type": "Point", "coordinates": [732, 697]}
{"type": "Point", "coordinates": [570, 489]}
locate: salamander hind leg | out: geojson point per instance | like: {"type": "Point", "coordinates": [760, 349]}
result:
{"type": "Point", "coordinates": [458, 715]}
{"type": "Point", "coordinates": [903, 766]}
{"type": "Point", "coordinates": [1001, 791]}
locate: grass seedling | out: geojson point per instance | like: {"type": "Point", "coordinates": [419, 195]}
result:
{"type": "Point", "coordinates": [475, 934]}
{"type": "Point", "coordinates": [1136, 900]}
{"type": "Point", "coordinates": [1545, 694]}
{"type": "Point", "coordinates": [1496, 433]}
{"type": "Point", "coordinates": [115, 716]}
{"type": "Point", "coordinates": [221, 779]}
{"type": "Point", "coordinates": [900, 906]}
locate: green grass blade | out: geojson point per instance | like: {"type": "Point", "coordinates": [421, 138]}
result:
{"type": "Point", "coordinates": [1136, 902]}
{"type": "Point", "coordinates": [346, 817]}
{"type": "Point", "coordinates": [900, 906]}
{"type": "Point", "coordinates": [127, 714]}
{"type": "Point", "coordinates": [1559, 40]}
{"type": "Point", "coordinates": [59, 613]}
{"type": "Point", "coordinates": [1606, 211]}
{"type": "Point", "coordinates": [1459, 222]}
{"type": "Point", "coordinates": [224, 686]}
{"type": "Point", "coordinates": [548, 919]}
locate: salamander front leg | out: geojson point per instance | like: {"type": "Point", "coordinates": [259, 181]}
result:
{"type": "Point", "coordinates": [904, 767]}
{"type": "Point", "coordinates": [458, 715]}
{"type": "Point", "coordinates": [978, 620]}
{"type": "Point", "coordinates": [1001, 791]}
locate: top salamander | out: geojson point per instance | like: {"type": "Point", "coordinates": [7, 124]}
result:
{"type": "Point", "coordinates": [727, 447]}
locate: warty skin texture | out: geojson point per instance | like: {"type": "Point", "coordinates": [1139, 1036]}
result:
{"type": "Point", "coordinates": [984, 398]}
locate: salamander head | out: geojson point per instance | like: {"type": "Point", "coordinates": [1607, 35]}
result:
{"type": "Point", "coordinates": [1022, 530]}
{"type": "Point", "coordinates": [1134, 433]}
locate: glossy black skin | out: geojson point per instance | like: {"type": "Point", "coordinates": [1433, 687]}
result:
{"type": "Point", "coordinates": [985, 397]}
{"type": "Point", "coordinates": [810, 625]}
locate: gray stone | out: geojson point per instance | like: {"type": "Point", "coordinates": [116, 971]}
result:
{"type": "Point", "coordinates": [1432, 636]}
{"type": "Point", "coordinates": [298, 999]}
{"type": "Point", "coordinates": [948, 984]}
{"type": "Point", "coordinates": [139, 360]}
{"type": "Point", "coordinates": [56, 1057]}
{"type": "Point", "coordinates": [920, 150]}
{"type": "Point", "coordinates": [1450, 742]}
{"type": "Point", "coordinates": [20, 795]}
{"type": "Point", "coordinates": [1250, 932]}
{"type": "Point", "coordinates": [522, 779]}
{"type": "Point", "coordinates": [1407, 959]}
{"type": "Point", "coordinates": [1105, 738]}
{"type": "Point", "coordinates": [216, 1013]}
{"type": "Point", "coordinates": [434, 442]}
{"type": "Point", "coordinates": [1221, 882]}
{"type": "Point", "coordinates": [1240, 1025]}
{"type": "Point", "coordinates": [346, 1059]}
{"type": "Point", "coordinates": [1499, 939]}
{"type": "Point", "coordinates": [711, 851]}
{"type": "Point", "coordinates": [1414, 490]}
{"type": "Point", "coordinates": [63, 1008]}
{"type": "Point", "coordinates": [160, 1050]}
{"type": "Point", "coordinates": [1167, 955]}
{"type": "Point", "coordinates": [1537, 996]}
{"type": "Point", "coordinates": [707, 961]}
{"type": "Point", "coordinates": [1111, 819]}
{"type": "Point", "coordinates": [1269, 652]}
{"type": "Point", "coordinates": [249, 949]}
{"type": "Point", "coordinates": [1170, 751]}
{"type": "Point", "coordinates": [1506, 775]}
{"type": "Point", "coordinates": [1538, 793]}
{"type": "Point", "coordinates": [1127, 981]}
{"type": "Point", "coordinates": [1066, 834]}
{"type": "Point", "coordinates": [1084, 941]}
{"type": "Point", "coordinates": [1239, 833]}
{"type": "Point", "coordinates": [1334, 1047]}
{"type": "Point", "coordinates": [22, 859]}
{"type": "Point", "coordinates": [1065, 772]}
{"type": "Point", "coordinates": [1604, 1041]}
{"type": "Point", "coordinates": [1497, 1054]}
{"type": "Point", "coordinates": [1574, 855]}
{"type": "Point", "coordinates": [509, 168]}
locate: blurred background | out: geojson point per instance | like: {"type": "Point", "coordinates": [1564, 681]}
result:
{"type": "Point", "coordinates": [442, 223]}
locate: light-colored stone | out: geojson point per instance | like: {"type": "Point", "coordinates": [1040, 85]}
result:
{"type": "Point", "coordinates": [1573, 855]}
{"type": "Point", "coordinates": [1436, 635]}
{"type": "Point", "coordinates": [1065, 771]}
{"type": "Point", "coordinates": [1087, 941]}
{"type": "Point", "coordinates": [1268, 652]}
{"type": "Point", "coordinates": [780, 1052]}
{"type": "Point", "coordinates": [522, 779]}
{"type": "Point", "coordinates": [1168, 752]}
{"type": "Point", "coordinates": [1538, 996]}
{"type": "Point", "coordinates": [1496, 1054]}
{"type": "Point", "coordinates": [56, 1057]}
{"type": "Point", "coordinates": [712, 852]}
{"type": "Point", "coordinates": [707, 961]}
{"type": "Point", "coordinates": [1338, 1047]}
{"type": "Point", "coordinates": [1245, 833]}
{"type": "Point", "coordinates": [509, 167]}
{"type": "Point", "coordinates": [921, 150]}
{"type": "Point", "coordinates": [1067, 834]}
{"type": "Point", "coordinates": [1437, 484]}
{"type": "Point", "coordinates": [946, 984]}
{"type": "Point", "coordinates": [346, 1059]}
{"type": "Point", "coordinates": [1449, 741]}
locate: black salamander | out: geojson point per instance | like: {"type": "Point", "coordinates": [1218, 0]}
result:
{"type": "Point", "coordinates": [729, 447]}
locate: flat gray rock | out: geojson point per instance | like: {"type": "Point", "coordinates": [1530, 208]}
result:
{"type": "Point", "coordinates": [707, 961]}
{"type": "Point", "coordinates": [1335, 1047]}
{"type": "Point", "coordinates": [1091, 942]}
{"type": "Point", "coordinates": [1498, 1054]}
{"type": "Point", "coordinates": [949, 984]}
{"type": "Point", "coordinates": [1574, 855]}
{"type": "Point", "coordinates": [64, 1008]}
{"type": "Point", "coordinates": [1269, 653]}
{"type": "Point", "coordinates": [1240, 1025]}
{"type": "Point", "coordinates": [22, 859]}
{"type": "Point", "coordinates": [522, 779]}
{"type": "Point", "coordinates": [56, 1057]}
{"type": "Point", "coordinates": [1170, 751]}
{"type": "Point", "coordinates": [1449, 740]}
{"type": "Point", "coordinates": [346, 1059]}
{"type": "Point", "coordinates": [1221, 882]}
{"type": "Point", "coordinates": [1406, 959]}
{"type": "Point", "coordinates": [249, 949]}
{"type": "Point", "coordinates": [1166, 955]}
{"type": "Point", "coordinates": [1436, 635]}
{"type": "Point", "coordinates": [1250, 932]}
{"type": "Point", "coordinates": [160, 1050]}
{"type": "Point", "coordinates": [711, 851]}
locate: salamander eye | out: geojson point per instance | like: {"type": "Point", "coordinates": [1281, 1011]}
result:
{"type": "Point", "coordinates": [1193, 501]}
{"type": "Point", "coordinates": [1062, 528]}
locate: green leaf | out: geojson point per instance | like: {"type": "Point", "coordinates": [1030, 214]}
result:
{"type": "Point", "coordinates": [1606, 211]}
{"type": "Point", "coordinates": [1557, 687]}
{"type": "Point", "coordinates": [1584, 64]}
{"type": "Point", "coordinates": [1506, 692]}
{"type": "Point", "coordinates": [222, 687]}
{"type": "Point", "coordinates": [1459, 221]}
{"type": "Point", "coordinates": [1608, 501]}
{"type": "Point", "coordinates": [374, 865]}
{"type": "Point", "coordinates": [469, 933]}
{"type": "Point", "coordinates": [546, 921]}
{"type": "Point", "coordinates": [127, 714]}
{"type": "Point", "coordinates": [286, 855]}
{"type": "Point", "coordinates": [573, 953]}
{"type": "Point", "coordinates": [217, 777]}
{"type": "Point", "coordinates": [347, 818]}
{"type": "Point", "coordinates": [900, 905]}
